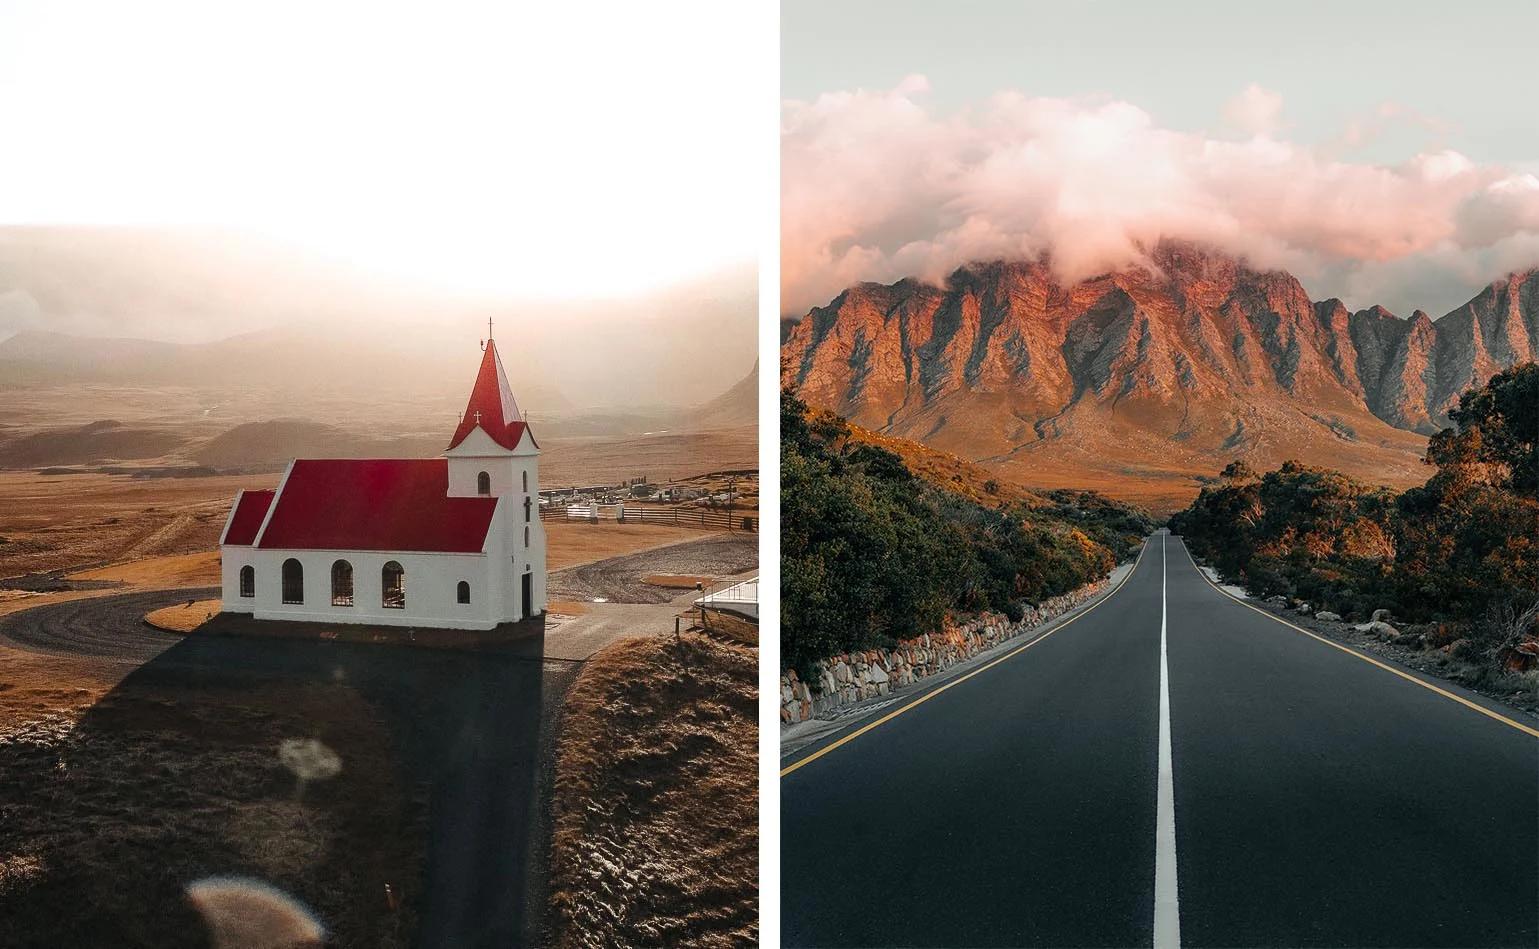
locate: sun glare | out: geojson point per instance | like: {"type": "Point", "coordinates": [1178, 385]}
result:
{"type": "Point", "coordinates": [533, 150]}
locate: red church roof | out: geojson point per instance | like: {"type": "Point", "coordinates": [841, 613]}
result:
{"type": "Point", "coordinates": [492, 406]}
{"type": "Point", "coordinates": [250, 508]}
{"type": "Point", "coordinates": [381, 504]}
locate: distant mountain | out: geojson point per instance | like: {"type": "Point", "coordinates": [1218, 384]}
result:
{"type": "Point", "coordinates": [301, 360]}
{"type": "Point", "coordinates": [1151, 378]}
{"type": "Point", "coordinates": [737, 406]}
{"type": "Point", "coordinates": [275, 443]}
{"type": "Point", "coordinates": [95, 443]}
{"type": "Point", "coordinates": [295, 315]}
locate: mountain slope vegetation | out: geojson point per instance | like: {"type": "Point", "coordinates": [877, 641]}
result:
{"type": "Point", "coordinates": [881, 539]}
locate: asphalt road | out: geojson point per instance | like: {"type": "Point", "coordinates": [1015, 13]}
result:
{"type": "Point", "coordinates": [1319, 800]}
{"type": "Point", "coordinates": [107, 627]}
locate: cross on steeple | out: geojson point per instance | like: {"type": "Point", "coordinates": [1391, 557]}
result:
{"type": "Point", "coordinates": [488, 327]}
{"type": "Point", "coordinates": [478, 416]}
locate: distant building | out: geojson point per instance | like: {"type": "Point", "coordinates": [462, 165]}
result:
{"type": "Point", "coordinates": [453, 542]}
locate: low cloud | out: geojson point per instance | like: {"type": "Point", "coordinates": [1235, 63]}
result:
{"type": "Point", "coordinates": [878, 186]}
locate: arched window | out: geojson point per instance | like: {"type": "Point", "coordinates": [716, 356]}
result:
{"type": "Point", "coordinates": [526, 537]}
{"type": "Point", "coordinates": [247, 581]}
{"type": "Point", "coordinates": [462, 592]}
{"type": "Point", "coordinates": [293, 581]}
{"type": "Point", "coordinates": [483, 483]}
{"type": "Point", "coordinates": [393, 582]}
{"type": "Point", "coordinates": [341, 583]}
{"type": "Point", "coordinates": [526, 481]}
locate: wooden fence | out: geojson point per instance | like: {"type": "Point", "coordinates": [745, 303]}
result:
{"type": "Point", "coordinates": [698, 517]}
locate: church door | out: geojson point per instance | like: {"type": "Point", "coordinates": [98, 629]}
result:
{"type": "Point", "coordinates": [528, 591]}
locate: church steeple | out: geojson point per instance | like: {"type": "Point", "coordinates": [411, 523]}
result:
{"type": "Point", "coordinates": [492, 407]}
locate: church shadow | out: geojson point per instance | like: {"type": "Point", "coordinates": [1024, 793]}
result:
{"type": "Point", "coordinates": [399, 794]}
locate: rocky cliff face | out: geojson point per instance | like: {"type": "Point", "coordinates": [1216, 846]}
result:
{"type": "Point", "coordinates": [1152, 371]}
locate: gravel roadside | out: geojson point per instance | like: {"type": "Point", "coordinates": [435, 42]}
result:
{"type": "Point", "coordinates": [619, 579]}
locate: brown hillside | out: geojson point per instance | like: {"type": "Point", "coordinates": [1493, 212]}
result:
{"type": "Point", "coordinates": [96, 442]}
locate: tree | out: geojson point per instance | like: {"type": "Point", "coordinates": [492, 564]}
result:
{"type": "Point", "coordinates": [1498, 431]}
{"type": "Point", "coordinates": [1239, 471]}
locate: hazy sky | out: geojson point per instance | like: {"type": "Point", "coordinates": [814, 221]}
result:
{"type": "Point", "coordinates": [1383, 155]}
{"type": "Point", "coordinates": [520, 150]}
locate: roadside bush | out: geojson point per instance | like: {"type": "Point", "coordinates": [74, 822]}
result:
{"type": "Point", "coordinates": [871, 554]}
{"type": "Point", "coordinates": [1459, 553]}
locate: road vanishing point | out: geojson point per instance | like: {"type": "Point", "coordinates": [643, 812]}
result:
{"type": "Point", "coordinates": [1170, 767]}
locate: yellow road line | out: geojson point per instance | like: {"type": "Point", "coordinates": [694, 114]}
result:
{"type": "Point", "coordinates": [930, 695]}
{"type": "Point", "coordinates": [1352, 652]}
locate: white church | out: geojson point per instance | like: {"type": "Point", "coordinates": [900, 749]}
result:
{"type": "Point", "coordinates": [453, 542]}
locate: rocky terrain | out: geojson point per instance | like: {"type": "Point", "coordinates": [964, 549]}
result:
{"type": "Point", "coordinates": [1147, 380]}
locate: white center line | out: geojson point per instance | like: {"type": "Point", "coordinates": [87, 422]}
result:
{"type": "Point", "coordinates": [1167, 913]}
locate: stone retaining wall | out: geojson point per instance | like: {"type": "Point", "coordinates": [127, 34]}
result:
{"type": "Point", "coordinates": [853, 677]}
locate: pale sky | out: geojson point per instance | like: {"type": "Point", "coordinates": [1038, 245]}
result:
{"type": "Point", "coordinates": [550, 150]}
{"type": "Point", "coordinates": [1384, 154]}
{"type": "Point", "coordinates": [1469, 67]}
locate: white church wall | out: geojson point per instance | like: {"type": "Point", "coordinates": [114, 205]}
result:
{"type": "Point", "coordinates": [231, 560]}
{"type": "Point", "coordinates": [515, 480]}
{"type": "Point", "coordinates": [431, 581]}
{"type": "Point", "coordinates": [497, 556]}
{"type": "Point", "coordinates": [478, 453]}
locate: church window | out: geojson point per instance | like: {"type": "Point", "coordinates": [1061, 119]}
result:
{"type": "Point", "coordinates": [293, 581]}
{"type": "Point", "coordinates": [341, 583]}
{"type": "Point", "coordinates": [527, 505]}
{"type": "Point", "coordinates": [462, 592]}
{"type": "Point", "coordinates": [247, 581]}
{"type": "Point", "coordinates": [526, 481]}
{"type": "Point", "coordinates": [526, 537]}
{"type": "Point", "coordinates": [393, 578]}
{"type": "Point", "coordinates": [483, 483]}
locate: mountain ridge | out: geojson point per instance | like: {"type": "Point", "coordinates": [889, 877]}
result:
{"type": "Point", "coordinates": [1163, 372]}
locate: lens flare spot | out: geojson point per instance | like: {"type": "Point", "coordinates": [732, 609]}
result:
{"type": "Point", "coordinates": [309, 759]}
{"type": "Point", "coordinates": [243, 913]}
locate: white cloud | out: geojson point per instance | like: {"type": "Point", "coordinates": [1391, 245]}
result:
{"type": "Point", "coordinates": [876, 186]}
{"type": "Point", "coordinates": [1254, 111]}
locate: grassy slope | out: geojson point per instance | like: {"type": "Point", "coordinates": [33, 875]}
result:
{"type": "Point", "coordinates": [655, 807]}
{"type": "Point", "coordinates": [947, 471]}
{"type": "Point", "coordinates": [106, 820]}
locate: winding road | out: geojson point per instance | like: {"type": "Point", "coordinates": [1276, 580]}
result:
{"type": "Point", "coordinates": [1170, 767]}
{"type": "Point", "coordinates": [103, 627]}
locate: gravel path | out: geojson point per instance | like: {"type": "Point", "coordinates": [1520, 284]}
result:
{"type": "Point", "coordinates": [110, 627]}
{"type": "Point", "coordinates": [618, 579]}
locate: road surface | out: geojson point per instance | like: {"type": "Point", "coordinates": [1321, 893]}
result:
{"type": "Point", "coordinates": [1302, 796]}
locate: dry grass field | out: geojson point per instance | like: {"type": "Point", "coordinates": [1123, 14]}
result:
{"type": "Point", "coordinates": [655, 805]}
{"type": "Point", "coordinates": [108, 818]}
{"type": "Point", "coordinates": [34, 686]}
{"type": "Point", "coordinates": [64, 522]}
{"type": "Point", "coordinates": [571, 544]}
{"type": "Point", "coordinates": [184, 617]}
{"type": "Point", "coordinates": [662, 457]}
{"type": "Point", "coordinates": [53, 522]}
